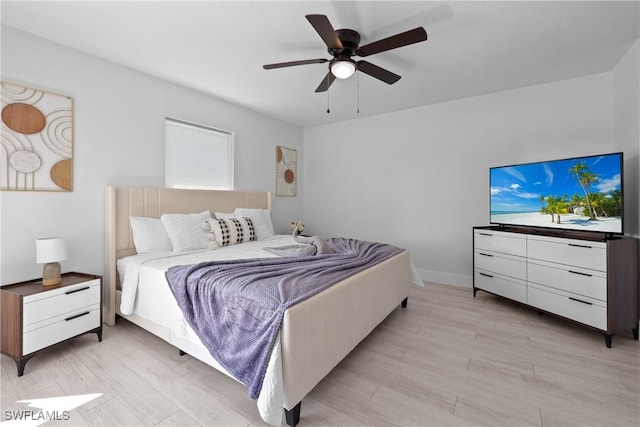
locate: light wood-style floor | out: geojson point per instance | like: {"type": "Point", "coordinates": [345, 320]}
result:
{"type": "Point", "coordinates": [448, 359]}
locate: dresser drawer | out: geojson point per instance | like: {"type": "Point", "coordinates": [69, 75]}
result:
{"type": "Point", "coordinates": [497, 241]}
{"type": "Point", "coordinates": [579, 253]}
{"type": "Point", "coordinates": [501, 263]}
{"type": "Point", "coordinates": [590, 283]}
{"type": "Point", "coordinates": [55, 302]}
{"type": "Point", "coordinates": [501, 285]}
{"type": "Point", "coordinates": [60, 328]}
{"type": "Point", "coordinates": [576, 307]}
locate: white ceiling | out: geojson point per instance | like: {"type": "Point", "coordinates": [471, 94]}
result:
{"type": "Point", "coordinates": [219, 47]}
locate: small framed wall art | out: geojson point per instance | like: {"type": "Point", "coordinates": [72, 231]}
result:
{"type": "Point", "coordinates": [37, 140]}
{"type": "Point", "coordinates": [286, 171]}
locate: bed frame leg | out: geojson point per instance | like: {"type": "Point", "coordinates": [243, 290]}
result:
{"type": "Point", "coordinates": [404, 302]}
{"type": "Point", "coordinates": [293, 416]}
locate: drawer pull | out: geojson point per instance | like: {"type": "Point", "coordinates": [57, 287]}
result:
{"type": "Point", "coordinates": [578, 300]}
{"type": "Point", "coordinates": [77, 290]}
{"type": "Point", "coordinates": [581, 274]}
{"type": "Point", "coordinates": [77, 315]}
{"type": "Point", "coordinates": [489, 255]}
{"type": "Point", "coordinates": [486, 234]}
{"type": "Point", "coordinates": [580, 246]}
{"type": "Point", "coordinates": [484, 274]}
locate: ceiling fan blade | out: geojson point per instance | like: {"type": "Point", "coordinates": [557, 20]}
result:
{"type": "Point", "coordinates": [402, 39]}
{"type": "Point", "coordinates": [378, 72]}
{"type": "Point", "coordinates": [326, 82]}
{"type": "Point", "coordinates": [324, 28]}
{"type": "Point", "coordinates": [293, 63]}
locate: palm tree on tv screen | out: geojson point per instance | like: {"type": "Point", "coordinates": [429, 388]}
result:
{"type": "Point", "coordinates": [554, 206]}
{"type": "Point", "coordinates": [547, 209]}
{"type": "Point", "coordinates": [585, 179]}
{"type": "Point", "coordinates": [558, 204]}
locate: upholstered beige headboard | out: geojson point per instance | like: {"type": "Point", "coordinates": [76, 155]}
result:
{"type": "Point", "coordinates": [123, 202]}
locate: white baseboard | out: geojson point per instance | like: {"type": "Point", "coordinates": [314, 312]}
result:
{"type": "Point", "coordinates": [443, 278]}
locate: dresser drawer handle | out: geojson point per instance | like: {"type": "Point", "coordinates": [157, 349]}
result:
{"type": "Point", "coordinates": [578, 300]}
{"type": "Point", "coordinates": [486, 275]}
{"type": "Point", "coordinates": [77, 315]}
{"type": "Point", "coordinates": [489, 255]}
{"type": "Point", "coordinates": [486, 234]}
{"type": "Point", "coordinates": [581, 274]}
{"type": "Point", "coordinates": [580, 246]}
{"type": "Point", "coordinates": [77, 290]}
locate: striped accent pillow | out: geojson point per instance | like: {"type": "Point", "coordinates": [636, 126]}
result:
{"type": "Point", "coordinates": [232, 231]}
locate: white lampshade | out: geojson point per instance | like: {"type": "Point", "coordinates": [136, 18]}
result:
{"type": "Point", "coordinates": [51, 249]}
{"type": "Point", "coordinates": [343, 69]}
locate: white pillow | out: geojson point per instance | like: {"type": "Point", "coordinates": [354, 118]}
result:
{"type": "Point", "coordinates": [185, 231]}
{"type": "Point", "coordinates": [149, 235]}
{"type": "Point", "coordinates": [222, 215]}
{"type": "Point", "coordinates": [261, 219]}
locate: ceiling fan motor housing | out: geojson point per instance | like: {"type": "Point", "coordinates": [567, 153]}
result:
{"type": "Point", "coordinates": [350, 40]}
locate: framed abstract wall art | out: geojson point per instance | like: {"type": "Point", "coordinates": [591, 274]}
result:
{"type": "Point", "coordinates": [286, 171]}
{"type": "Point", "coordinates": [36, 139]}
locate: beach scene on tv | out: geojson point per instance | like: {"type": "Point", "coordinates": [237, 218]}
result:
{"type": "Point", "coordinates": [579, 194]}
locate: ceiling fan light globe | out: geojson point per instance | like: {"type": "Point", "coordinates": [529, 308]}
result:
{"type": "Point", "coordinates": [343, 69]}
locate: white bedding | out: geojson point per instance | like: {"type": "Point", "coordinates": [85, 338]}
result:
{"type": "Point", "coordinates": [146, 294]}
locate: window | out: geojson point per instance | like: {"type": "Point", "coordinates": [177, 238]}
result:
{"type": "Point", "coordinates": [197, 156]}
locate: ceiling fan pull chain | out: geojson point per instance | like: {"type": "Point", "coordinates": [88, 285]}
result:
{"type": "Point", "coordinates": [358, 92]}
{"type": "Point", "coordinates": [328, 111]}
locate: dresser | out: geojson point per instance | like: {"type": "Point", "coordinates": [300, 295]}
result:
{"type": "Point", "coordinates": [580, 277]}
{"type": "Point", "coordinates": [35, 317]}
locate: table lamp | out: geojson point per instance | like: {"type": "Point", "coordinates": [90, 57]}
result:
{"type": "Point", "coordinates": [49, 251]}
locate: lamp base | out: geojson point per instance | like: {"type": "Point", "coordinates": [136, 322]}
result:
{"type": "Point", "coordinates": [51, 274]}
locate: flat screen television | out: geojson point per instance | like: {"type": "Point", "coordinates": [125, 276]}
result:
{"type": "Point", "coordinates": [580, 193]}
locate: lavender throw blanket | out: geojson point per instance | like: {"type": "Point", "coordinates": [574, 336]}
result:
{"type": "Point", "coordinates": [236, 307]}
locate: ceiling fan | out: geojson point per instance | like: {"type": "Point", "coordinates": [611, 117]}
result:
{"type": "Point", "coordinates": [344, 44]}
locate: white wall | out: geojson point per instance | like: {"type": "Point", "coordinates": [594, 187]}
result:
{"type": "Point", "coordinates": [118, 139]}
{"type": "Point", "coordinates": [626, 120]}
{"type": "Point", "coordinates": [419, 178]}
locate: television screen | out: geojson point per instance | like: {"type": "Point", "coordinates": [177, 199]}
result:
{"type": "Point", "coordinates": [582, 193]}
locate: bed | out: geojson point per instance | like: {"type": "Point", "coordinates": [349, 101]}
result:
{"type": "Point", "coordinates": [297, 363]}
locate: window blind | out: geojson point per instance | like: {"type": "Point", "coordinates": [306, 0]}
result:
{"type": "Point", "coordinates": [197, 156]}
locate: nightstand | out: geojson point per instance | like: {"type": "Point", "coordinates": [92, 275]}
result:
{"type": "Point", "coordinates": [35, 317]}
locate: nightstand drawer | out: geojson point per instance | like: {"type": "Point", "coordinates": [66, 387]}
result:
{"type": "Point", "coordinates": [59, 329]}
{"type": "Point", "coordinates": [55, 302]}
